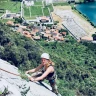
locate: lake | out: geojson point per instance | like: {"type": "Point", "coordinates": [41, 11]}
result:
{"type": "Point", "coordinates": [89, 10]}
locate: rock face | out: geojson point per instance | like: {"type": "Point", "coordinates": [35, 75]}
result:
{"type": "Point", "coordinates": [16, 86]}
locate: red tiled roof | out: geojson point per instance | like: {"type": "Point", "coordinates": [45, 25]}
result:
{"type": "Point", "coordinates": [27, 34]}
{"type": "Point", "coordinates": [87, 38]}
{"type": "Point", "coordinates": [47, 31]}
{"type": "Point", "coordinates": [10, 23]}
{"type": "Point", "coordinates": [64, 33]}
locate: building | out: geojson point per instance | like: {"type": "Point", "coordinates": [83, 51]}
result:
{"type": "Point", "coordinates": [28, 2]}
{"type": "Point", "coordinates": [44, 19]}
{"type": "Point", "coordinates": [87, 38]}
{"type": "Point", "coordinates": [48, 2]}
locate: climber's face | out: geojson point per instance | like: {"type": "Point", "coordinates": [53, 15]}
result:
{"type": "Point", "coordinates": [44, 61]}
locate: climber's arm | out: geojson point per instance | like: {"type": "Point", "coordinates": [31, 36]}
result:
{"type": "Point", "coordinates": [49, 70]}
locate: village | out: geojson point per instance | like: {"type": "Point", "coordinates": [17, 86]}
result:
{"type": "Point", "coordinates": [36, 21]}
{"type": "Point", "coordinates": [35, 32]}
{"type": "Point", "coordinates": [42, 27]}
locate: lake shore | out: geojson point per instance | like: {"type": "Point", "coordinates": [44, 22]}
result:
{"type": "Point", "coordinates": [77, 17]}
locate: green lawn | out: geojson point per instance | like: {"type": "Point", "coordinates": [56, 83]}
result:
{"type": "Point", "coordinates": [5, 20]}
{"type": "Point", "coordinates": [26, 12]}
{"type": "Point", "coordinates": [10, 5]}
{"type": "Point", "coordinates": [38, 3]}
{"type": "Point", "coordinates": [3, 0]}
{"type": "Point", "coordinates": [60, 4]}
{"type": "Point", "coordinates": [36, 10]}
{"type": "Point", "coordinates": [50, 7]}
{"type": "Point", "coordinates": [32, 17]}
{"type": "Point", "coordinates": [46, 11]}
{"type": "Point", "coordinates": [1, 12]}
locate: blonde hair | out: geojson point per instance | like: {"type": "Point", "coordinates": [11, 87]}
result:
{"type": "Point", "coordinates": [49, 63]}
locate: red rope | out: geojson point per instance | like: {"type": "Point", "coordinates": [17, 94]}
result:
{"type": "Point", "coordinates": [9, 72]}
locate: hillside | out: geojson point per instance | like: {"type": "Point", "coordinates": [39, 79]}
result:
{"type": "Point", "coordinates": [75, 62]}
{"type": "Point", "coordinates": [17, 49]}
{"type": "Point", "coordinates": [76, 66]}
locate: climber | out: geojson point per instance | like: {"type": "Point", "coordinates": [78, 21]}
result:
{"type": "Point", "coordinates": [44, 71]}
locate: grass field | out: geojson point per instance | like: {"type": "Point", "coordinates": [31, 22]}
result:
{"type": "Point", "coordinates": [32, 11]}
{"type": "Point", "coordinates": [50, 7]}
{"type": "Point", "coordinates": [36, 10]}
{"type": "Point", "coordinates": [38, 3]}
{"type": "Point", "coordinates": [1, 12]}
{"type": "Point", "coordinates": [12, 6]}
{"type": "Point", "coordinates": [46, 11]}
{"type": "Point", "coordinates": [6, 20]}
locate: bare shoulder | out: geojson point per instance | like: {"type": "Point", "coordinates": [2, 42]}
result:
{"type": "Point", "coordinates": [51, 68]}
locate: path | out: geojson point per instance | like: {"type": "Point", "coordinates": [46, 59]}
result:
{"type": "Point", "coordinates": [80, 20]}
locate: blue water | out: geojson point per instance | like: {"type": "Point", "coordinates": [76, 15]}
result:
{"type": "Point", "coordinates": [89, 10]}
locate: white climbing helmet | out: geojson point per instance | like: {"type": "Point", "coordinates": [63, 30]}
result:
{"type": "Point", "coordinates": [45, 55]}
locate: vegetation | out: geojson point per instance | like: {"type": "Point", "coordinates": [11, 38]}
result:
{"type": "Point", "coordinates": [1, 11]}
{"type": "Point", "coordinates": [6, 20]}
{"type": "Point", "coordinates": [10, 5]}
{"type": "Point", "coordinates": [50, 7]}
{"type": "Point", "coordinates": [17, 49]}
{"type": "Point", "coordinates": [94, 36]}
{"type": "Point", "coordinates": [37, 10]}
{"type": "Point", "coordinates": [18, 20]}
{"type": "Point", "coordinates": [46, 11]}
{"type": "Point", "coordinates": [5, 92]}
{"type": "Point", "coordinates": [60, 4]}
{"type": "Point", "coordinates": [38, 3]}
{"type": "Point", "coordinates": [32, 11]}
{"type": "Point", "coordinates": [75, 62]}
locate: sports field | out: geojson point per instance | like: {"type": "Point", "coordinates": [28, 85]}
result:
{"type": "Point", "coordinates": [38, 9]}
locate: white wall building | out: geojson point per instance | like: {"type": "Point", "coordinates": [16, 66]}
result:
{"type": "Point", "coordinates": [29, 2]}
{"type": "Point", "coordinates": [48, 1]}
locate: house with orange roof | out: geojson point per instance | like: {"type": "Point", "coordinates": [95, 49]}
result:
{"type": "Point", "coordinates": [27, 34]}
{"type": "Point", "coordinates": [11, 23]}
{"type": "Point", "coordinates": [86, 38]}
{"type": "Point", "coordinates": [47, 35]}
{"type": "Point", "coordinates": [47, 31]}
{"type": "Point", "coordinates": [52, 30]}
{"type": "Point", "coordinates": [33, 33]}
{"type": "Point", "coordinates": [35, 30]}
{"type": "Point", "coordinates": [63, 33]}
{"type": "Point", "coordinates": [58, 38]}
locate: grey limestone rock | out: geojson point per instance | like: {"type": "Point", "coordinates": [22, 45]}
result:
{"type": "Point", "coordinates": [16, 86]}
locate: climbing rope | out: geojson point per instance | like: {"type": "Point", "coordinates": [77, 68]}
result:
{"type": "Point", "coordinates": [9, 72]}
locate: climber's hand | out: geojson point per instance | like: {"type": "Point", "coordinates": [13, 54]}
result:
{"type": "Point", "coordinates": [32, 79]}
{"type": "Point", "coordinates": [26, 72]}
